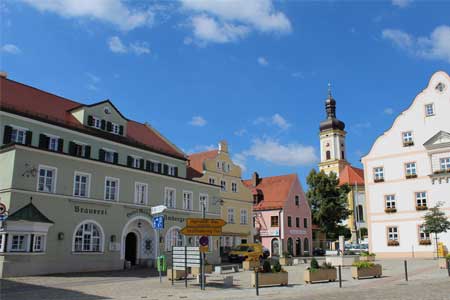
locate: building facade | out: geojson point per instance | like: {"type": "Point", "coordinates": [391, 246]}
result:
{"type": "Point", "coordinates": [79, 182]}
{"type": "Point", "coordinates": [407, 171]}
{"type": "Point", "coordinates": [216, 167]}
{"type": "Point", "coordinates": [281, 215]}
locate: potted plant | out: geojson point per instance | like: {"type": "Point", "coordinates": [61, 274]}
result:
{"type": "Point", "coordinates": [268, 275]}
{"type": "Point", "coordinates": [393, 243]}
{"type": "Point", "coordinates": [251, 263]}
{"type": "Point", "coordinates": [286, 259]}
{"type": "Point", "coordinates": [421, 207]}
{"type": "Point", "coordinates": [366, 256]}
{"type": "Point", "coordinates": [378, 180]}
{"type": "Point", "coordinates": [426, 242]}
{"type": "Point", "coordinates": [364, 269]}
{"type": "Point", "coordinates": [315, 273]}
{"type": "Point", "coordinates": [443, 261]}
{"type": "Point", "coordinates": [408, 143]}
{"type": "Point", "coordinates": [390, 210]}
{"type": "Point", "coordinates": [410, 176]}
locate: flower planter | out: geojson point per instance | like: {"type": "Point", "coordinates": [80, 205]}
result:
{"type": "Point", "coordinates": [374, 271]}
{"type": "Point", "coordinates": [319, 275]}
{"type": "Point", "coordinates": [367, 258]}
{"type": "Point", "coordinates": [286, 261]}
{"type": "Point", "coordinates": [425, 242]}
{"type": "Point", "coordinates": [378, 180]}
{"type": "Point", "coordinates": [195, 271]}
{"type": "Point", "coordinates": [421, 207]}
{"type": "Point", "coordinates": [390, 210]}
{"type": "Point", "coordinates": [408, 144]}
{"type": "Point", "coordinates": [280, 278]}
{"type": "Point", "coordinates": [177, 274]}
{"type": "Point", "coordinates": [443, 262]}
{"type": "Point", "coordinates": [411, 176]}
{"type": "Point", "coordinates": [393, 243]}
{"type": "Point", "coordinates": [250, 265]}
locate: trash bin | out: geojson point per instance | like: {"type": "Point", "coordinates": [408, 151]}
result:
{"type": "Point", "coordinates": [161, 263]}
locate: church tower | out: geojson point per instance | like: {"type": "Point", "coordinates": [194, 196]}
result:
{"type": "Point", "coordinates": [332, 139]}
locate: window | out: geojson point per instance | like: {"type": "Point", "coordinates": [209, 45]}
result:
{"type": "Point", "coordinates": [109, 156]}
{"type": "Point", "coordinates": [19, 243]}
{"type": "Point", "coordinates": [445, 163]}
{"type": "Point", "coordinates": [234, 187]}
{"type": "Point", "coordinates": [187, 200]}
{"type": "Point", "coordinates": [111, 189]}
{"type": "Point", "coordinates": [169, 197]}
{"type": "Point", "coordinates": [407, 139]}
{"type": "Point", "coordinates": [218, 164]}
{"type": "Point", "coordinates": [305, 222]}
{"type": "Point", "coordinates": [135, 162]}
{"type": "Point", "coordinates": [88, 238]}
{"type": "Point", "coordinates": [390, 201]}
{"type": "Point", "coordinates": [79, 149]}
{"type": "Point", "coordinates": [47, 179]}
{"type": "Point", "coordinates": [53, 143]}
{"type": "Point", "coordinates": [360, 215]}
{"type": "Point", "coordinates": [274, 221]}
{"type": "Point", "coordinates": [230, 215]}
{"type": "Point", "coordinates": [97, 123]}
{"type": "Point", "coordinates": [410, 170]}
{"type": "Point", "coordinates": [173, 238]}
{"type": "Point", "coordinates": [212, 180]}
{"type": "Point", "coordinates": [429, 110]}
{"type": "Point", "coordinates": [297, 222]}
{"type": "Point", "coordinates": [172, 170]}
{"type": "Point", "coordinates": [155, 166]}
{"type": "Point", "coordinates": [81, 184]}
{"type": "Point", "coordinates": [2, 242]}
{"type": "Point", "coordinates": [289, 220]}
{"type": "Point", "coordinates": [423, 236]}
{"type": "Point", "coordinates": [421, 199]}
{"type": "Point", "coordinates": [18, 135]}
{"type": "Point", "coordinates": [223, 185]}
{"type": "Point", "coordinates": [203, 202]}
{"type": "Point", "coordinates": [378, 174]}
{"type": "Point", "coordinates": [328, 155]}
{"type": "Point", "coordinates": [38, 243]}
{"type": "Point", "coordinates": [115, 128]}
{"type": "Point", "coordinates": [244, 217]}
{"type": "Point", "coordinates": [140, 193]}
{"type": "Point", "coordinates": [297, 200]}
{"type": "Point", "coordinates": [392, 234]}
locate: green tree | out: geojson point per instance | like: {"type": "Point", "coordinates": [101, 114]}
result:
{"type": "Point", "coordinates": [328, 201]}
{"type": "Point", "coordinates": [436, 222]}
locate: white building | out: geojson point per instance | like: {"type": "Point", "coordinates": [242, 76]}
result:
{"type": "Point", "coordinates": [407, 171]}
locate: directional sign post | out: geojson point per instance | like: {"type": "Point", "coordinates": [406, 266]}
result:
{"type": "Point", "coordinates": [158, 224]}
{"type": "Point", "coordinates": [184, 257]}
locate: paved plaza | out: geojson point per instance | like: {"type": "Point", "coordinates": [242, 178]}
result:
{"type": "Point", "coordinates": [426, 281]}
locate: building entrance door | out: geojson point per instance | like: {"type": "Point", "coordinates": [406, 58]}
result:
{"type": "Point", "coordinates": [131, 248]}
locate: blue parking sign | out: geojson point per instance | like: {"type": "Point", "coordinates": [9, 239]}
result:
{"type": "Point", "coordinates": [158, 222]}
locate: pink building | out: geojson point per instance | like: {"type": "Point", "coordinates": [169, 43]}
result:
{"type": "Point", "coordinates": [281, 213]}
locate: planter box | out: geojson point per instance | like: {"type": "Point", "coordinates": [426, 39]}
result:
{"type": "Point", "coordinates": [393, 243]}
{"type": "Point", "coordinates": [421, 207]}
{"type": "Point", "coordinates": [250, 265]}
{"type": "Point", "coordinates": [177, 274]}
{"type": "Point", "coordinates": [195, 271]}
{"type": "Point", "coordinates": [280, 278]}
{"type": "Point", "coordinates": [367, 258]}
{"type": "Point", "coordinates": [346, 260]}
{"type": "Point", "coordinates": [378, 180]}
{"type": "Point", "coordinates": [390, 210]}
{"type": "Point", "coordinates": [374, 271]}
{"type": "Point", "coordinates": [425, 242]}
{"type": "Point", "coordinates": [319, 275]}
{"type": "Point", "coordinates": [286, 261]}
{"type": "Point", "coordinates": [442, 263]}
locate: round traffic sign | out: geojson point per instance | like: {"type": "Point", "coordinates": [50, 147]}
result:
{"type": "Point", "coordinates": [2, 208]}
{"type": "Point", "coordinates": [204, 241]}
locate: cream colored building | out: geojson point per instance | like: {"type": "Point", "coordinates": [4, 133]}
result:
{"type": "Point", "coordinates": [216, 167]}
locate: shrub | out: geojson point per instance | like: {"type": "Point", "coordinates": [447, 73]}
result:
{"type": "Point", "coordinates": [367, 254]}
{"type": "Point", "coordinates": [447, 256]}
{"type": "Point", "coordinates": [276, 268]}
{"type": "Point", "coordinates": [314, 264]}
{"type": "Point", "coordinates": [363, 264]}
{"type": "Point", "coordinates": [286, 254]}
{"type": "Point", "coordinates": [266, 267]}
{"type": "Point", "coordinates": [326, 265]}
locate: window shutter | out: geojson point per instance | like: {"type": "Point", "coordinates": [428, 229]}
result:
{"type": "Point", "coordinates": [7, 135]}
{"type": "Point", "coordinates": [28, 138]}
{"type": "Point", "coordinates": [176, 172]}
{"type": "Point", "coordinates": [121, 130]}
{"type": "Point", "coordinates": [60, 145]}
{"type": "Point", "coordinates": [159, 167]}
{"type": "Point", "coordinates": [129, 161]}
{"type": "Point", "coordinates": [148, 165]}
{"type": "Point", "coordinates": [101, 155]}
{"type": "Point", "coordinates": [108, 126]}
{"type": "Point", "coordinates": [90, 121]}
{"type": "Point", "coordinates": [72, 147]}
{"type": "Point", "coordinates": [141, 164]}
{"type": "Point", "coordinates": [116, 158]}
{"type": "Point", "coordinates": [103, 124]}
{"type": "Point", "coordinates": [87, 151]}
{"type": "Point", "coordinates": [166, 169]}
{"type": "Point", "coordinates": [43, 141]}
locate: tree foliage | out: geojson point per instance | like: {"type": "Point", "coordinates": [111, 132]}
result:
{"type": "Point", "coordinates": [328, 202]}
{"type": "Point", "coordinates": [436, 221]}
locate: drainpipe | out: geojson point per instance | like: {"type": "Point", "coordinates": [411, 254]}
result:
{"type": "Point", "coordinates": [280, 225]}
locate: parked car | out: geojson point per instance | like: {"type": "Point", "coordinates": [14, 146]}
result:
{"type": "Point", "coordinates": [318, 252]}
{"type": "Point", "coordinates": [356, 248]}
{"type": "Point", "coordinates": [244, 251]}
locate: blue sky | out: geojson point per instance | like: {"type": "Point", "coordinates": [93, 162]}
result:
{"type": "Point", "coordinates": [252, 72]}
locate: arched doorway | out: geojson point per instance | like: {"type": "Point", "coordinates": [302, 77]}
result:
{"type": "Point", "coordinates": [275, 247]}
{"type": "Point", "coordinates": [290, 246]}
{"type": "Point", "coordinates": [306, 247]}
{"type": "Point", "coordinates": [298, 247]}
{"type": "Point", "coordinates": [131, 247]}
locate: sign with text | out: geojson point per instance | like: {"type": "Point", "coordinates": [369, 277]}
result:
{"type": "Point", "coordinates": [208, 231]}
{"type": "Point", "coordinates": [203, 223]}
{"type": "Point", "coordinates": [183, 257]}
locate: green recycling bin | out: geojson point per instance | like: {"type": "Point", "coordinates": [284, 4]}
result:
{"type": "Point", "coordinates": [161, 263]}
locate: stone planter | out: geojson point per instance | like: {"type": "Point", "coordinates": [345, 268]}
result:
{"type": "Point", "coordinates": [286, 261]}
{"type": "Point", "coordinates": [346, 260]}
{"type": "Point", "coordinates": [367, 258]}
{"type": "Point", "coordinates": [319, 275]}
{"type": "Point", "coordinates": [442, 263]}
{"type": "Point", "coordinates": [374, 271]}
{"type": "Point", "coordinates": [195, 271]}
{"type": "Point", "coordinates": [177, 274]}
{"type": "Point", "coordinates": [250, 265]}
{"type": "Point", "coordinates": [280, 278]}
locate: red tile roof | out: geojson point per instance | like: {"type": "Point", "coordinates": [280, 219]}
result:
{"type": "Point", "coordinates": [275, 190]}
{"type": "Point", "coordinates": [195, 168]}
{"type": "Point", "coordinates": [351, 175]}
{"type": "Point", "coordinates": [34, 103]}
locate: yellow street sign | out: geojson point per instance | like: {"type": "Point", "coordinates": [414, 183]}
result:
{"type": "Point", "coordinates": [208, 231]}
{"type": "Point", "coordinates": [202, 223]}
{"type": "Point", "coordinates": [203, 249]}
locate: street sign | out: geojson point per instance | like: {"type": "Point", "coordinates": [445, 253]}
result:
{"type": "Point", "coordinates": [2, 209]}
{"type": "Point", "coordinates": [158, 209]}
{"type": "Point", "coordinates": [209, 231]}
{"type": "Point", "coordinates": [158, 222]}
{"type": "Point", "coordinates": [183, 257]}
{"type": "Point", "coordinates": [203, 241]}
{"type": "Point", "coordinates": [204, 249]}
{"type": "Point", "coordinates": [202, 223]}
{"type": "Point", "coordinates": [3, 217]}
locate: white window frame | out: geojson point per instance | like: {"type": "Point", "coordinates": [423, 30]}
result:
{"type": "Point", "coordinates": [171, 170]}
{"type": "Point", "coordinates": [117, 189]}
{"type": "Point", "coordinates": [174, 200]}
{"type": "Point", "coordinates": [88, 184]}
{"type": "Point", "coordinates": [97, 122]}
{"type": "Point", "coordinates": [42, 242]}
{"type": "Point", "coordinates": [244, 217]}
{"type": "Point", "coordinates": [223, 185]}
{"type": "Point", "coordinates": [115, 128]}
{"type": "Point", "coordinates": [411, 168]}
{"type": "Point", "coordinates": [138, 193]}
{"type": "Point", "coordinates": [54, 180]}
{"type": "Point", "coordinates": [445, 163]}
{"type": "Point", "coordinates": [428, 112]}
{"type": "Point", "coordinates": [421, 199]}
{"type": "Point", "coordinates": [230, 215]}
{"type": "Point", "coordinates": [109, 152]}
{"type": "Point", "coordinates": [136, 162]}
{"type": "Point", "coordinates": [407, 136]}
{"type": "Point", "coordinates": [25, 244]}
{"type": "Point", "coordinates": [53, 146]}
{"type": "Point", "coordinates": [392, 233]}
{"type": "Point", "coordinates": [203, 197]}
{"type": "Point", "coordinates": [212, 180]}
{"type": "Point", "coordinates": [234, 187]}
{"type": "Point", "coordinates": [83, 148]}
{"type": "Point", "coordinates": [422, 235]}
{"type": "Point", "coordinates": [101, 238]}
{"type": "Point", "coordinates": [378, 173]}
{"type": "Point", "coordinates": [390, 201]}
{"type": "Point", "coordinates": [2, 242]}
{"type": "Point", "coordinates": [15, 137]}
{"type": "Point", "coordinates": [188, 201]}
{"type": "Point", "coordinates": [173, 238]}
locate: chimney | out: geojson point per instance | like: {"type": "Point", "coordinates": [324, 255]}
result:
{"type": "Point", "coordinates": [3, 74]}
{"type": "Point", "coordinates": [223, 146]}
{"type": "Point", "coordinates": [255, 179]}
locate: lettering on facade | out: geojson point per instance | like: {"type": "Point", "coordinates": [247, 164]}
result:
{"type": "Point", "coordinates": [174, 219]}
{"type": "Point", "coordinates": [140, 212]}
{"type": "Point", "coordinates": [269, 232]}
{"type": "Point", "coordinates": [90, 211]}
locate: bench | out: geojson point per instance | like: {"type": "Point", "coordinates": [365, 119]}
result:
{"type": "Point", "coordinates": [221, 269]}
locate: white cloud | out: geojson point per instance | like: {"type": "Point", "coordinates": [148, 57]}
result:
{"type": "Point", "coordinates": [291, 154]}
{"type": "Point", "coordinates": [93, 78]}
{"type": "Point", "coordinates": [263, 61]}
{"type": "Point", "coordinates": [240, 160]}
{"type": "Point", "coordinates": [110, 11]}
{"type": "Point", "coordinates": [401, 3]}
{"type": "Point", "coordinates": [229, 21]}
{"type": "Point", "coordinates": [276, 120]}
{"type": "Point", "coordinates": [436, 46]}
{"type": "Point", "coordinates": [11, 49]}
{"type": "Point", "coordinates": [201, 148]}
{"type": "Point", "coordinates": [140, 48]}
{"type": "Point", "coordinates": [198, 121]}
{"type": "Point", "coordinates": [117, 46]}
{"type": "Point", "coordinates": [388, 111]}
{"type": "Point", "coordinates": [240, 132]}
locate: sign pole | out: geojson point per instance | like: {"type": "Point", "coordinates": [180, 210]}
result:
{"type": "Point", "coordinates": [185, 266]}
{"type": "Point", "coordinates": [203, 254]}
{"type": "Point", "coordinates": [158, 261]}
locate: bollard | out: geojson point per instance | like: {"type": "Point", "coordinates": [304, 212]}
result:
{"type": "Point", "coordinates": [172, 274]}
{"type": "Point", "coordinates": [257, 283]}
{"type": "Point", "coordinates": [406, 270]}
{"type": "Point", "coordinates": [340, 277]}
{"type": "Point", "coordinates": [448, 267]}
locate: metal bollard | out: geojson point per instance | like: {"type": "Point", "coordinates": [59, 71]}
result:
{"type": "Point", "coordinates": [406, 270]}
{"type": "Point", "coordinates": [448, 267]}
{"type": "Point", "coordinates": [257, 282]}
{"type": "Point", "coordinates": [340, 277]}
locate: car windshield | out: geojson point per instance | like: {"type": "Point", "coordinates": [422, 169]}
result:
{"type": "Point", "coordinates": [241, 248]}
